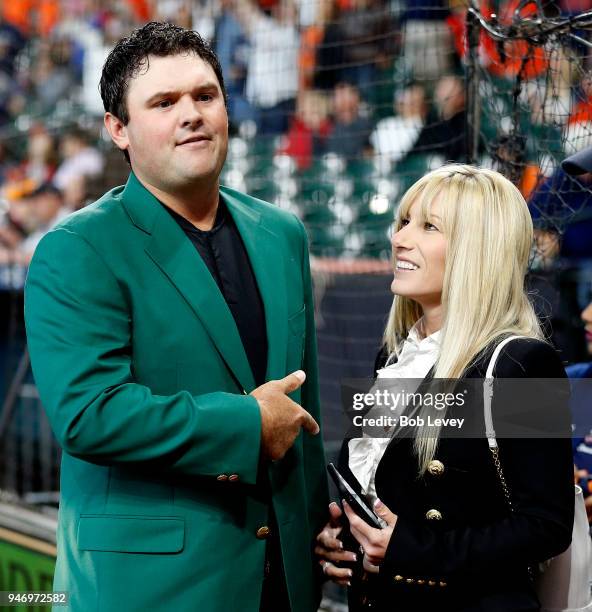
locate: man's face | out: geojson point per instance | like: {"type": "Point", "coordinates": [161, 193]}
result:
{"type": "Point", "coordinates": [177, 133]}
{"type": "Point", "coordinates": [346, 102]}
{"type": "Point", "coordinates": [449, 96]}
{"type": "Point", "coordinates": [411, 103]}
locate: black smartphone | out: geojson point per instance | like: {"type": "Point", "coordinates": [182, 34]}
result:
{"type": "Point", "coordinates": [356, 503]}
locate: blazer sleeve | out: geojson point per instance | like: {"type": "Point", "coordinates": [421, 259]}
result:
{"type": "Point", "coordinates": [539, 473]}
{"type": "Point", "coordinates": [79, 334]}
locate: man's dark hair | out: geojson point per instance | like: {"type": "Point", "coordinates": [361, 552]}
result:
{"type": "Point", "coordinates": [130, 55]}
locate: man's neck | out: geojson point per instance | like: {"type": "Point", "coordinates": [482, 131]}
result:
{"type": "Point", "coordinates": [198, 206]}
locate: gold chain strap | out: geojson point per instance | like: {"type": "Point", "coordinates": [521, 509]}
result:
{"type": "Point", "coordinates": [500, 473]}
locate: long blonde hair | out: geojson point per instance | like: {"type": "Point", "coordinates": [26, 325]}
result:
{"type": "Point", "coordinates": [489, 238]}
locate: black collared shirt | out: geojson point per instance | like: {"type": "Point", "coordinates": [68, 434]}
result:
{"type": "Point", "coordinates": [224, 253]}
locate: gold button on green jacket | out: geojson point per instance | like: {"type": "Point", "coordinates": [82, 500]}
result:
{"type": "Point", "coordinates": [143, 375]}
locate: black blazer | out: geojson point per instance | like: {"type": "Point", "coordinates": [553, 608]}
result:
{"type": "Point", "coordinates": [477, 556]}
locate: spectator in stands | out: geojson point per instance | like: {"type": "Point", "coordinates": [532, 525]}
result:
{"type": "Point", "coordinates": [560, 207]}
{"type": "Point", "coordinates": [329, 55]}
{"type": "Point", "coordinates": [81, 163]}
{"type": "Point", "coordinates": [41, 160]}
{"type": "Point", "coordinates": [12, 42]}
{"type": "Point", "coordinates": [427, 40]}
{"type": "Point", "coordinates": [582, 111]}
{"type": "Point", "coordinates": [12, 100]}
{"type": "Point", "coordinates": [577, 168]}
{"type": "Point", "coordinates": [550, 97]}
{"type": "Point", "coordinates": [580, 165]}
{"type": "Point", "coordinates": [76, 192]}
{"type": "Point", "coordinates": [42, 153]}
{"type": "Point", "coordinates": [46, 209]}
{"type": "Point", "coordinates": [357, 42]}
{"type": "Point", "coordinates": [12, 232]}
{"type": "Point", "coordinates": [27, 220]}
{"type": "Point", "coordinates": [350, 137]}
{"type": "Point", "coordinates": [582, 412]}
{"type": "Point", "coordinates": [508, 153]}
{"type": "Point", "coordinates": [311, 39]}
{"type": "Point", "coordinates": [79, 159]}
{"type": "Point", "coordinates": [577, 134]}
{"type": "Point", "coordinates": [561, 210]}
{"type": "Point", "coordinates": [38, 166]}
{"type": "Point", "coordinates": [53, 80]}
{"type": "Point", "coordinates": [369, 36]}
{"type": "Point", "coordinates": [309, 129]}
{"type": "Point", "coordinates": [395, 136]}
{"type": "Point", "coordinates": [272, 75]}
{"type": "Point", "coordinates": [563, 203]}
{"type": "Point", "coordinates": [448, 135]}
{"type": "Point", "coordinates": [232, 47]}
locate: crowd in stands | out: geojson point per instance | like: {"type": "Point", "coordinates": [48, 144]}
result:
{"type": "Point", "coordinates": [359, 80]}
{"type": "Point", "coordinates": [48, 184]}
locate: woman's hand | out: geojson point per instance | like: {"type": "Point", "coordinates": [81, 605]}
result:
{"type": "Point", "coordinates": [330, 549]}
{"type": "Point", "coordinates": [373, 541]}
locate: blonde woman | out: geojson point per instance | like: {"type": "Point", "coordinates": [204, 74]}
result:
{"type": "Point", "coordinates": [450, 542]}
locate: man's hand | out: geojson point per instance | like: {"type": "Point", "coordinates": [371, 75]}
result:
{"type": "Point", "coordinates": [281, 418]}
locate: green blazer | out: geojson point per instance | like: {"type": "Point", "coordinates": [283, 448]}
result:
{"type": "Point", "coordinates": [144, 378]}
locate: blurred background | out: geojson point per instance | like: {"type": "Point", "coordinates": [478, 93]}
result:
{"type": "Point", "coordinates": [336, 108]}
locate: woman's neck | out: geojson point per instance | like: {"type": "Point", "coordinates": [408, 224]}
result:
{"type": "Point", "coordinates": [431, 321]}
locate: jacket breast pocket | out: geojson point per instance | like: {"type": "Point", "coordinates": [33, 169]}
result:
{"type": "Point", "coordinates": [131, 534]}
{"type": "Point", "coordinates": [296, 338]}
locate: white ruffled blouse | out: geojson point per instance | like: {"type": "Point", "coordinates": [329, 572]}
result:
{"type": "Point", "coordinates": [415, 360]}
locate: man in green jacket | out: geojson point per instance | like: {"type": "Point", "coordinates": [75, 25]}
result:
{"type": "Point", "coordinates": [171, 332]}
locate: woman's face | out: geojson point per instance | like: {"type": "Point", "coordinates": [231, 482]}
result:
{"type": "Point", "coordinates": [587, 318]}
{"type": "Point", "coordinates": [419, 255]}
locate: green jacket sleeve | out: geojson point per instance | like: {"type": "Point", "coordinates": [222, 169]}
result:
{"type": "Point", "coordinates": [314, 455]}
{"type": "Point", "coordinates": [79, 331]}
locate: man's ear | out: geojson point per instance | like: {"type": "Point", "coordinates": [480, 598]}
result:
{"type": "Point", "coordinates": [117, 130]}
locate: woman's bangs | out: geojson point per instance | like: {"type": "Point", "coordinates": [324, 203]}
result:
{"type": "Point", "coordinates": [424, 194]}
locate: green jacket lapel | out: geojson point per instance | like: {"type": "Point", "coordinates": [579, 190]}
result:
{"type": "Point", "coordinates": [266, 253]}
{"type": "Point", "coordinates": [176, 256]}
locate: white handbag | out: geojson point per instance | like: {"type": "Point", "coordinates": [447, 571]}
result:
{"type": "Point", "coordinates": [562, 583]}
